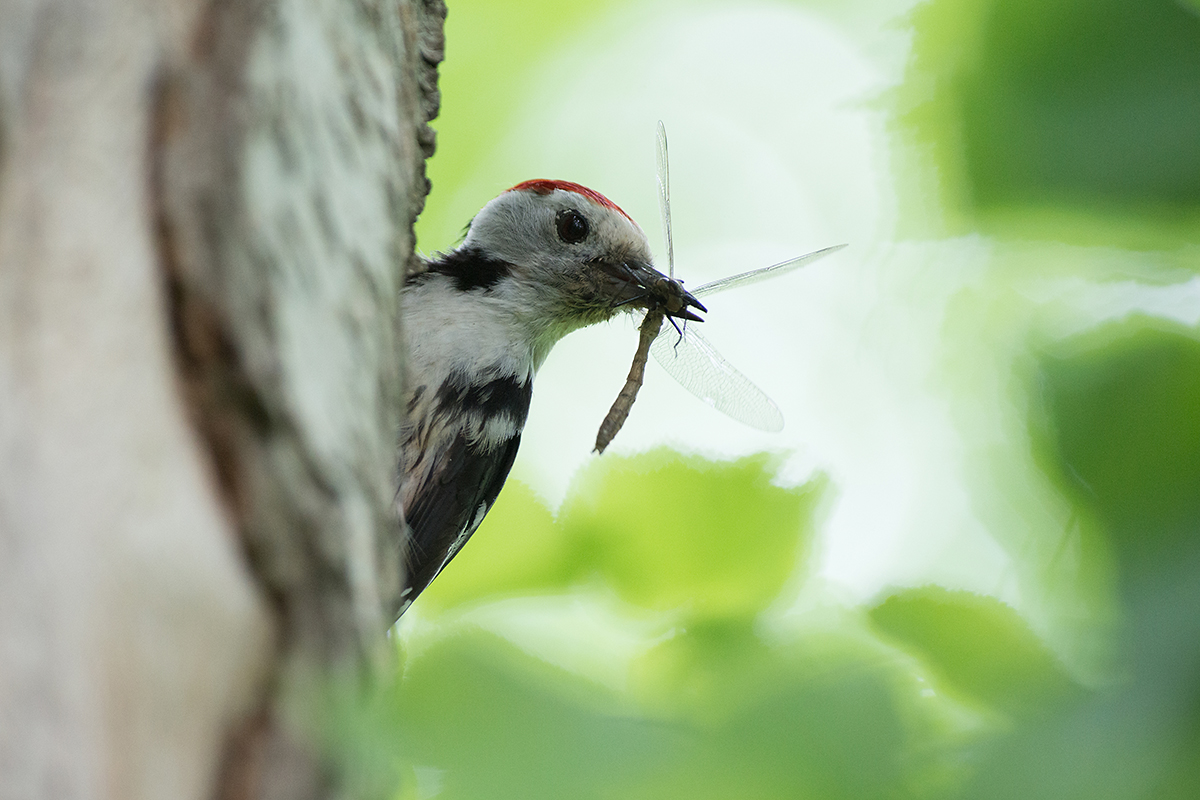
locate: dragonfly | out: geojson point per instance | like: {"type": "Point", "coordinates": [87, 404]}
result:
{"type": "Point", "coordinates": [687, 356]}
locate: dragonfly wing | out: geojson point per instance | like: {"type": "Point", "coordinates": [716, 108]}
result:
{"type": "Point", "coordinates": [773, 271]}
{"type": "Point", "coordinates": [663, 176]}
{"type": "Point", "coordinates": [701, 370]}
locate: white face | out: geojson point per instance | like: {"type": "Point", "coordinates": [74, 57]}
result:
{"type": "Point", "coordinates": [575, 258]}
{"type": "Point", "coordinates": [556, 232]}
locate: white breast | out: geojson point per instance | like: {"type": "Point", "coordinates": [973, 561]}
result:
{"type": "Point", "coordinates": [473, 333]}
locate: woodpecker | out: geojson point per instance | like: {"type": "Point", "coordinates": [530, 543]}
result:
{"type": "Point", "coordinates": [541, 260]}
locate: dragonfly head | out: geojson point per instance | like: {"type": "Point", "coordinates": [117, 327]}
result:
{"type": "Point", "coordinates": [642, 286]}
{"type": "Point", "coordinates": [675, 300]}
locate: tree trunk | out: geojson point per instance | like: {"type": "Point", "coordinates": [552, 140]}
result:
{"type": "Point", "coordinates": [206, 210]}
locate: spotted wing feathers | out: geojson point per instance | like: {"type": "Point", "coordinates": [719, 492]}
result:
{"type": "Point", "coordinates": [467, 446]}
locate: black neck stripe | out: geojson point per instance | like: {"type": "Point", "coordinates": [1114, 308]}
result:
{"type": "Point", "coordinates": [470, 269]}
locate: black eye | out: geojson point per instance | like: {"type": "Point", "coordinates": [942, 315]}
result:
{"type": "Point", "coordinates": [572, 227]}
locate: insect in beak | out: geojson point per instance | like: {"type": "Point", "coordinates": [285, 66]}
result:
{"type": "Point", "coordinates": [644, 286]}
{"type": "Point", "coordinates": [690, 359]}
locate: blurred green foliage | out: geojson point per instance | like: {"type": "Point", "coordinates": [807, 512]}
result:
{"type": "Point", "coordinates": [1086, 102]}
{"type": "Point", "coordinates": [981, 650]}
{"type": "Point", "coordinates": [714, 706]}
{"type": "Point", "coordinates": [1044, 111]}
{"type": "Point", "coordinates": [650, 530]}
{"type": "Point", "coordinates": [1125, 435]}
{"type": "Point", "coordinates": [1123, 440]}
{"type": "Point", "coordinates": [1072, 122]}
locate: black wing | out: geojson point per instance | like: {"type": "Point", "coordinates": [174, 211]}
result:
{"type": "Point", "coordinates": [461, 490]}
{"type": "Point", "coordinates": [465, 471]}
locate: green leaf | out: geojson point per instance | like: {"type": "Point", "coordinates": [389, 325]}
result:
{"type": "Point", "coordinates": [502, 724]}
{"type": "Point", "coordinates": [664, 531]}
{"type": "Point", "coordinates": [1088, 106]}
{"type": "Point", "coordinates": [668, 532]}
{"type": "Point", "coordinates": [1122, 436]}
{"type": "Point", "coordinates": [979, 647]}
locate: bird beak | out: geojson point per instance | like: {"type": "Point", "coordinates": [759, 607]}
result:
{"type": "Point", "coordinates": [639, 285]}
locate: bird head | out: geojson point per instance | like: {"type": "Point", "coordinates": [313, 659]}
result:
{"type": "Point", "coordinates": [578, 258]}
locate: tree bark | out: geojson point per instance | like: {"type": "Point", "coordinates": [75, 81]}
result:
{"type": "Point", "coordinates": [206, 211]}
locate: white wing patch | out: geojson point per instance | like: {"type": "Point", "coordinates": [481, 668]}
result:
{"type": "Point", "coordinates": [458, 543]}
{"type": "Point", "coordinates": [479, 515]}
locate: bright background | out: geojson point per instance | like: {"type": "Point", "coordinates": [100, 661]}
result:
{"type": "Point", "coordinates": [970, 565]}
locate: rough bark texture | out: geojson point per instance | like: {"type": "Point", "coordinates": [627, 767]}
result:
{"type": "Point", "coordinates": [205, 213]}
